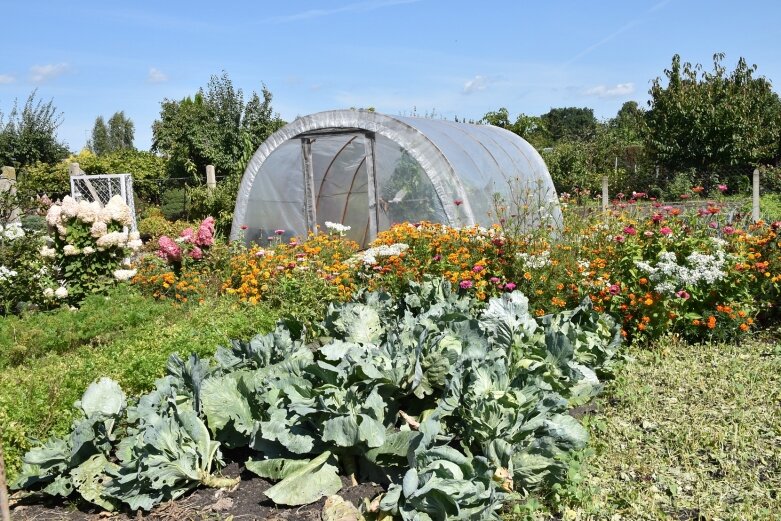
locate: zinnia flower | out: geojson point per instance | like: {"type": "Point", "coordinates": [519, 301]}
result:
{"type": "Point", "coordinates": [722, 188]}
{"type": "Point", "coordinates": [630, 230]}
{"type": "Point", "coordinates": [682, 294]}
{"type": "Point", "coordinates": [466, 284]}
{"type": "Point", "coordinates": [509, 286]}
{"type": "Point", "coordinates": [666, 231]}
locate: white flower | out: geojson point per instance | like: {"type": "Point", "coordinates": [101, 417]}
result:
{"type": "Point", "coordinates": [48, 253]}
{"type": "Point", "coordinates": [13, 231]}
{"type": "Point", "coordinates": [370, 256]}
{"type": "Point", "coordinates": [69, 250]}
{"type": "Point", "coordinates": [88, 211]}
{"type": "Point", "coordinates": [122, 275]}
{"type": "Point", "coordinates": [98, 229]}
{"type": "Point", "coordinates": [53, 216]}
{"type": "Point", "coordinates": [337, 227]}
{"type": "Point", "coordinates": [135, 244]}
{"type": "Point", "coordinates": [134, 236]}
{"type": "Point", "coordinates": [61, 292]}
{"type": "Point", "coordinates": [6, 273]}
{"type": "Point", "coordinates": [119, 211]}
{"type": "Point", "coordinates": [70, 208]}
{"type": "Point", "coordinates": [112, 239]}
{"type": "Point", "coordinates": [48, 293]}
{"type": "Point", "coordinates": [88, 250]}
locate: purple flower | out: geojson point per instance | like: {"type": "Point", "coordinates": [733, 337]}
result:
{"type": "Point", "coordinates": [682, 294]}
{"type": "Point", "coordinates": [477, 268]}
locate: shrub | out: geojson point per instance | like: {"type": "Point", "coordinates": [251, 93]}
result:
{"type": "Point", "coordinates": [23, 273]}
{"type": "Point", "coordinates": [90, 244]}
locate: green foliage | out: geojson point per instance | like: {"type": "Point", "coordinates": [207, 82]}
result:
{"type": "Point", "coordinates": [173, 203]}
{"type": "Point", "coordinates": [117, 135]}
{"type": "Point", "coordinates": [124, 336]}
{"type": "Point", "coordinates": [408, 194]}
{"type": "Point", "coordinates": [49, 179]}
{"type": "Point", "coordinates": [498, 381]}
{"type": "Point", "coordinates": [23, 273]}
{"type": "Point", "coordinates": [569, 123]}
{"type": "Point", "coordinates": [29, 135]}
{"type": "Point", "coordinates": [154, 224]}
{"type": "Point", "coordinates": [219, 203]}
{"type": "Point", "coordinates": [530, 128]}
{"type": "Point", "coordinates": [704, 120]}
{"type": "Point", "coordinates": [214, 127]}
{"type": "Point", "coordinates": [145, 167]}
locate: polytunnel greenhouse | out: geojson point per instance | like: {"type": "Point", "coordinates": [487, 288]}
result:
{"type": "Point", "coordinates": [369, 171]}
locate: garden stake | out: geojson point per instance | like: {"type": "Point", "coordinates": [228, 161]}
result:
{"type": "Point", "coordinates": [4, 509]}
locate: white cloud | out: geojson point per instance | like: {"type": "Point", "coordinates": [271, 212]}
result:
{"type": "Point", "coordinates": [5, 79]}
{"type": "Point", "coordinates": [607, 91]}
{"type": "Point", "coordinates": [41, 73]}
{"type": "Point", "coordinates": [156, 76]}
{"type": "Point", "coordinates": [476, 84]}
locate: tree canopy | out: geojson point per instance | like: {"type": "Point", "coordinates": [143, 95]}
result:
{"type": "Point", "coordinates": [707, 119]}
{"type": "Point", "coordinates": [29, 134]}
{"type": "Point", "coordinates": [215, 126]}
{"type": "Point", "coordinates": [112, 137]}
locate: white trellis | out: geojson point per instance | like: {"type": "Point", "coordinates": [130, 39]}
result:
{"type": "Point", "coordinates": [103, 187]}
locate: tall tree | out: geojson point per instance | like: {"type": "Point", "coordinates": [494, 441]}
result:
{"type": "Point", "coordinates": [569, 123]}
{"type": "Point", "coordinates": [529, 128]}
{"type": "Point", "coordinates": [29, 134]}
{"type": "Point", "coordinates": [214, 127]}
{"type": "Point", "coordinates": [707, 120]}
{"type": "Point", "coordinates": [116, 136]}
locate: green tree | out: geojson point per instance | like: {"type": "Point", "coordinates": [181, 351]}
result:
{"type": "Point", "coordinates": [569, 123]}
{"type": "Point", "coordinates": [629, 123]}
{"type": "Point", "coordinates": [29, 134]}
{"type": "Point", "coordinates": [117, 135]}
{"type": "Point", "coordinates": [215, 127]}
{"type": "Point", "coordinates": [708, 120]}
{"type": "Point", "coordinates": [530, 128]}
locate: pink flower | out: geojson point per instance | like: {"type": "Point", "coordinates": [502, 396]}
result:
{"type": "Point", "coordinates": [187, 234]}
{"type": "Point", "coordinates": [509, 286]}
{"type": "Point", "coordinates": [729, 230]}
{"type": "Point", "coordinates": [648, 233]}
{"type": "Point", "coordinates": [630, 230]}
{"type": "Point", "coordinates": [614, 289]}
{"type": "Point", "coordinates": [666, 231]}
{"type": "Point", "coordinates": [437, 258]}
{"type": "Point", "coordinates": [477, 268]}
{"type": "Point", "coordinates": [682, 294]}
{"type": "Point", "coordinates": [205, 235]}
{"type": "Point", "coordinates": [494, 280]}
{"type": "Point", "coordinates": [723, 188]}
{"type": "Point", "coordinates": [169, 250]}
{"type": "Point", "coordinates": [619, 238]}
{"type": "Point", "coordinates": [458, 202]}
{"type": "Point", "coordinates": [657, 218]}
{"type": "Point", "coordinates": [466, 284]}
{"type": "Point", "coordinates": [244, 226]}
{"type": "Point", "coordinates": [196, 253]}
{"type": "Point", "coordinates": [713, 224]}
{"type": "Point", "coordinates": [279, 232]}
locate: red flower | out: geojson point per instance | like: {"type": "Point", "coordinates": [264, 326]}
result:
{"type": "Point", "coordinates": [458, 202]}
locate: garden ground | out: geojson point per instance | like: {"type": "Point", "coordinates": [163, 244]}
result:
{"type": "Point", "coordinates": [685, 432]}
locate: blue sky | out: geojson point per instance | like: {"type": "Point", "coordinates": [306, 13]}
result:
{"type": "Point", "coordinates": [461, 58]}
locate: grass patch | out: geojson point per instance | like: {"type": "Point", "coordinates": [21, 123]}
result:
{"type": "Point", "coordinates": [37, 392]}
{"type": "Point", "coordinates": [686, 432]}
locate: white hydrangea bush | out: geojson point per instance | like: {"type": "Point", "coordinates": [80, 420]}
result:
{"type": "Point", "coordinates": [23, 273]}
{"type": "Point", "coordinates": [89, 245]}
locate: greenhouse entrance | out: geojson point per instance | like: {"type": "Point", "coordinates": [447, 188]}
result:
{"type": "Point", "coordinates": [369, 171]}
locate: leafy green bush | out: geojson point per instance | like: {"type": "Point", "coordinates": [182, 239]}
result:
{"type": "Point", "coordinates": [173, 203]}
{"type": "Point", "coordinates": [23, 272]}
{"type": "Point", "coordinates": [455, 407]}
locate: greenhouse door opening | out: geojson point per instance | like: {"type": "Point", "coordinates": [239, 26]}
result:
{"type": "Point", "coordinates": [340, 182]}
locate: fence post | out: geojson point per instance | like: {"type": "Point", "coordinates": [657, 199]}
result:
{"type": "Point", "coordinates": [755, 196]}
{"type": "Point", "coordinates": [211, 179]}
{"type": "Point", "coordinates": [8, 184]}
{"type": "Point", "coordinates": [604, 194]}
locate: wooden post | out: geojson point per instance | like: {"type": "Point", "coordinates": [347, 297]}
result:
{"type": "Point", "coordinates": [5, 508]}
{"type": "Point", "coordinates": [755, 196]}
{"type": "Point", "coordinates": [211, 179]}
{"type": "Point", "coordinates": [604, 194]}
{"type": "Point", "coordinates": [8, 184]}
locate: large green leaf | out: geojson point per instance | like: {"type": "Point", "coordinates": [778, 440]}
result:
{"type": "Point", "coordinates": [307, 484]}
